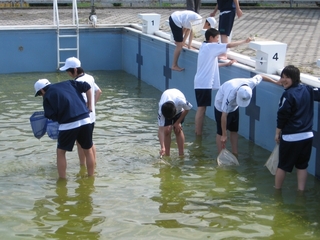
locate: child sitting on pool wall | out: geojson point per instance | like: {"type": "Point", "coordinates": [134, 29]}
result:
{"type": "Point", "coordinates": [173, 107]}
{"type": "Point", "coordinates": [294, 126]}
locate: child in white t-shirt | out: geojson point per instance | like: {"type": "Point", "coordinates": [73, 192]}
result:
{"type": "Point", "coordinates": [207, 76]}
{"type": "Point", "coordinates": [181, 28]}
{"type": "Point", "coordinates": [173, 107]}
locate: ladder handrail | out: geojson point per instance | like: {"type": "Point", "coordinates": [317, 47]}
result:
{"type": "Point", "coordinates": [55, 13]}
{"type": "Point", "coordinates": [75, 22]}
{"type": "Point", "coordinates": [75, 17]}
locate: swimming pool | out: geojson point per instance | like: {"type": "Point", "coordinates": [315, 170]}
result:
{"type": "Point", "coordinates": [148, 58]}
{"type": "Point", "coordinates": [132, 196]}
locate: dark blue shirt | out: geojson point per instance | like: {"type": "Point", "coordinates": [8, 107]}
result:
{"type": "Point", "coordinates": [295, 113]}
{"type": "Point", "coordinates": [63, 102]}
{"type": "Point", "coordinates": [226, 5]}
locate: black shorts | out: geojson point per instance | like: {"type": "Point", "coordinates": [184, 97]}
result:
{"type": "Point", "coordinates": [226, 22]}
{"type": "Point", "coordinates": [92, 126]}
{"type": "Point", "coordinates": [82, 134]}
{"type": "Point", "coordinates": [171, 121]}
{"type": "Point", "coordinates": [232, 121]}
{"type": "Point", "coordinates": [176, 31]}
{"type": "Point", "coordinates": [294, 154]}
{"type": "Point", "coordinates": [203, 97]}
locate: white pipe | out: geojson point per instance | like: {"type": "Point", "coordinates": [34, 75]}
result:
{"type": "Point", "coordinates": [93, 20]}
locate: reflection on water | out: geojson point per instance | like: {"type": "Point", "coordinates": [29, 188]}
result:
{"type": "Point", "coordinates": [133, 196]}
{"type": "Point", "coordinates": [69, 212]}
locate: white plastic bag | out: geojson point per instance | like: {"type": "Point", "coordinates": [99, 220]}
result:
{"type": "Point", "coordinates": [226, 158]}
{"type": "Point", "coordinates": [273, 160]}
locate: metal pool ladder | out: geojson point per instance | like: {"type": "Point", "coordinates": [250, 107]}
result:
{"type": "Point", "coordinates": [65, 31]}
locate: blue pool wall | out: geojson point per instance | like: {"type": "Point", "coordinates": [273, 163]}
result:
{"type": "Point", "coordinates": [148, 58]}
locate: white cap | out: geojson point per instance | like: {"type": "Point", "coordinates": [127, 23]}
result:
{"type": "Point", "coordinates": [41, 83]}
{"type": "Point", "coordinates": [244, 96]}
{"type": "Point", "coordinates": [212, 21]}
{"type": "Point", "coordinates": [71, 62]}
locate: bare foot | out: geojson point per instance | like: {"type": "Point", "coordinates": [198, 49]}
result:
{"type": "Point", "coordinates": [177, 68]}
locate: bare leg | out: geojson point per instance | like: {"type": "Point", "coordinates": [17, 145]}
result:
{"type": "Point", "coordinates": [180, 141]}
{"type": "Point", "coordinates": [167, 139]}
{"type": "Point", "coordinates": [234, 143]}
{"type": "Point", "coordinates": [89, 161]}
{"type": "Point", "coordinates": [176, 55]}
{"type": "Point", "coordinates": [224, 39]}
{"type": "Point", "coordinates": [279, 178]}
{"type": "Point", "coordinates": [94, 154]}
{"type": "Point", "coordinates": [302, 176]}
{"type": "Point", "coordinates": [218, 143]}
{"type": "Point", "coordinates": [199, 119]}
{"type": "Point", "coordinates": [61, 163]}
{"type": "Point", "coordinates": [82, 156]}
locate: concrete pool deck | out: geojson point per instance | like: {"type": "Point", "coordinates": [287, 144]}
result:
{"type": "Point", "coordinates": [299, 28]}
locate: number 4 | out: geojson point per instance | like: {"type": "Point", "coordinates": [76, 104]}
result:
{"type": "Point", "coordinates": [275, 57]}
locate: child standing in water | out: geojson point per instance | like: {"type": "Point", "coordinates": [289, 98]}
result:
{"type": "Point", "coordinates": [294, 126]}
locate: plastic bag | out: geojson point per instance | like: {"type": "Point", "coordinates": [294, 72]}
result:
{"type": "Point", "coordinates": [197, 26]}
{"type": "Point", "coordinates": [52, 129]}
{"type": "Point", "coordinates": [38, 124]}
{"type": "Point", "coordinates": [226, 158]}
{"type": "Point", "coordinates": [273, 160]}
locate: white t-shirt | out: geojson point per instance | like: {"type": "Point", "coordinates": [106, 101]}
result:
{"type": "Point", "coordinates": [207, 76]}
{"type": "Point", "coordinates": [184, 18]}
{"type": "Point", "coordinates": [225, 100]}
{"type": "Point", "coordinates": [179, 100]}
{"type": "Point", "coordinates": [94, 87]}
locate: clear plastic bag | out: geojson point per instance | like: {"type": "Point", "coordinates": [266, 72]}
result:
{"type": "Point", "coordinates": [226, 158]}
{"type": "Point", "coordinates": [196, 27]}
{"type": "Point", "coordinates": [273, 160]}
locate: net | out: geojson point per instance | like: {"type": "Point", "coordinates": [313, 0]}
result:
{"type": "Point", "coordinates": [52, 129]}
{"type": "Point", "coordinates": [38, 124]}
{"type": "Point", "coordinates": [226, 158]}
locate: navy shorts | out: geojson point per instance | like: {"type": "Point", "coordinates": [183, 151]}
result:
{"type": "Point", "coordinates": [203, 97]}
{"type": "Point", "coordinates": [176, 31]}
{"type": "Point", "coordinates": [294, 154]}
{"type": "Point", "coordinates": [171, 121]}
{"type": "Point", "coordinates": [226, 22]}
{"type": "Point", "coordinates": [232, 121]}
{"type": "Point", "coordinates": [92, 126]}
{"type": "Point", "coordinates": [82, 134]}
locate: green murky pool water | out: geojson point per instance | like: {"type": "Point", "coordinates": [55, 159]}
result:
{"type": "Point", "coordinates": [132, 196]}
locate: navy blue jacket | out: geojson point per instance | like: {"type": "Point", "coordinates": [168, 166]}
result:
{"type": "Point", "coordinates": [295, 113]}
{"type": "Point", "coordinates": [64, 103]}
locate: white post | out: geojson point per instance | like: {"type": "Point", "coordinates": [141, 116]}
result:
{"type": "Point", "coordinates": [150, 22]}
{"type": "Point", "coordinates": [270, 55]}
